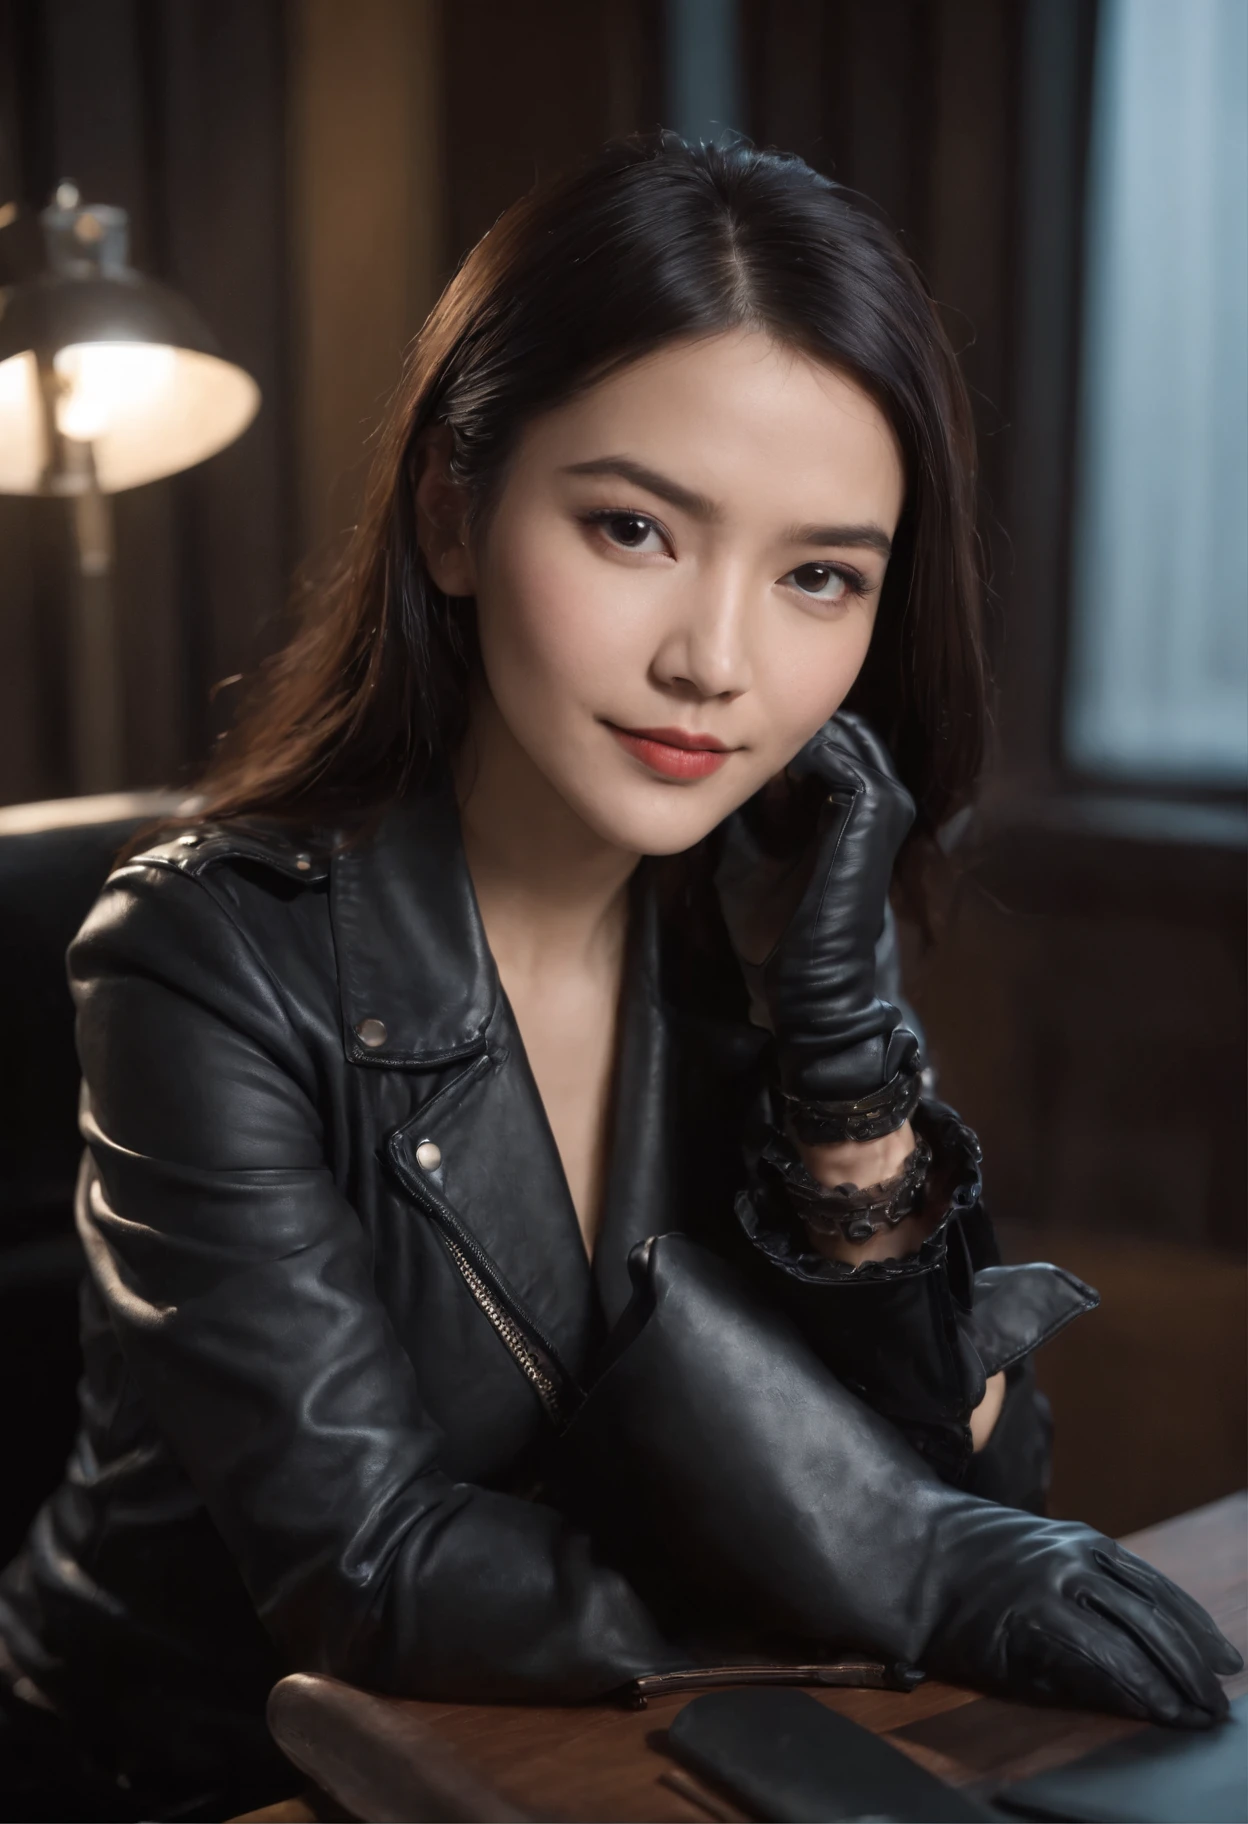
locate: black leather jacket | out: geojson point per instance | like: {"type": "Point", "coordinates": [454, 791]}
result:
{"type": "Point", "coordinates": [321, 1374]}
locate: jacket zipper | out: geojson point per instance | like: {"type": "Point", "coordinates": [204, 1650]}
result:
{"type": "Point", "coordinates": [536, 1358]}
{"type": "Point", "coordinates": [510, 1333]}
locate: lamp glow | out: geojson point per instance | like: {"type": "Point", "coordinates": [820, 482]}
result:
{"type": "Point", "coordinates": [147, 409]}
{"type": "Point", "coordinates": [106, 383]}
{"type": "Point", "coordinates": [21, 425]}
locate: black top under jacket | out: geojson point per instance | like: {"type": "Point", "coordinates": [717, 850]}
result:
{"type": "Point", "coordinates": [319, 1374]}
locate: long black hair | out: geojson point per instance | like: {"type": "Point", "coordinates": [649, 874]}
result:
{"type": "Point", "coordinates": [655, 241]}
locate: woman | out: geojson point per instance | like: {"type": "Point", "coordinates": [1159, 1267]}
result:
{"type": "Point", "coordinates": [539, 907]}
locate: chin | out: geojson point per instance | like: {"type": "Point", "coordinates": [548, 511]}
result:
{"type": "Point", "coordinates": [657, 819]}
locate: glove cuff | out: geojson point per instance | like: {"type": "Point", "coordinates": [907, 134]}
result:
{"type": "Point", "coordinates": [866, 1118]}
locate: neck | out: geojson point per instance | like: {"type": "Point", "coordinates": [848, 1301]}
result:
{"type": "Point", "coordinates": [549, 888]}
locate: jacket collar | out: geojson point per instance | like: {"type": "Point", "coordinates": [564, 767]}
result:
{"type": "Point", "coordinates": [417, 984]}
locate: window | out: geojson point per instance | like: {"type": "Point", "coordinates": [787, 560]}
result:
{"type": "Point", "coordinates": [1158, 681]}
{"type": "Point", "coordinates": [704, 67]}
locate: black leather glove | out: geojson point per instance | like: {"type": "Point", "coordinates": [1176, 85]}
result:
{"type": "Point", "coordinates": [815, 985]}
{"type": "Point", "coordinates": [716, 1449]}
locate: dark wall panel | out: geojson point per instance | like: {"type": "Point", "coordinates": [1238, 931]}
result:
{"type": "Point", "coordinates": [912, 102]}
{"type": "Point", "coordinates": [177, 113]}
{"type": "Point", "coordinates": [533, 89]}
{"type": "Point", "coordinates": [221, 182]}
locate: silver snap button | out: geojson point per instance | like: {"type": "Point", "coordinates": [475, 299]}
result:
{"type": "Point", "coordinates": [372, 1033]}
{"type": "Point", "coordinates": [428, 1155]}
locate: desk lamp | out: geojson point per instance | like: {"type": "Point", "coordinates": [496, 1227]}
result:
{"type": "Point", "coordinates": [107, 380]}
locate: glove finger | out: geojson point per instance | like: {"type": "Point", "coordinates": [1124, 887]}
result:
{"type": "Point", "coordinates": [847, 777]}
{"type": "Point", "coordinates": [1083, 1659]}
{"type": "Point", "coordinates": [847, 749]}
{"type": "Point", "coordinates": [832, 760]}
{"type": "Point", "coordinates": [840, 750]}
{"type": "Point", "coordinates": [1154, 1587]}
{"type": "Point", "coordinates": [1164, 1637]}
{"type": "Point", "coordinates": [865, 742]}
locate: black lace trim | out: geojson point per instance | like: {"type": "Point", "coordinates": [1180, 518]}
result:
{"type": "Point", "coordinates": [773, 1225]}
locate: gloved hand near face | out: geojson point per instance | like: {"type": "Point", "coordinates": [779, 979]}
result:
{"type": "Point", "coordinates": [805, 926]}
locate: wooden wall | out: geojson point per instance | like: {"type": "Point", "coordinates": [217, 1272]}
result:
{"type": "Point", "coordinates": [532, 89]}
{"type": "Point", "coordinates": [367, 230]}
{"type": "Point", "coordinates": [913, 103]}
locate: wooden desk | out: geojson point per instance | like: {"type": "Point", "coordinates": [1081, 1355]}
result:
{"type": "Point", "coordinates": [604, 1763]}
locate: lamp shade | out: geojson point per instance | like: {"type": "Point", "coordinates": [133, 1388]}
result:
{"type": "Point", "coordinates": [94, 354]}
{"type": "Point", "coordinates": [138, 373]}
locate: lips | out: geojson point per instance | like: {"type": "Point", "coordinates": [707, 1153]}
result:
{"type": "Point", "coordinates": [673, 753]}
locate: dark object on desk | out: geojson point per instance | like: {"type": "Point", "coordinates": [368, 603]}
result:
{"type": "Point", "coordinates": [54, 859]}
{"type": "Point", "coordinates": [853, 1672]}
{"type": "Point", "coordinates": [377, 1760]}
{"type": "Point", "coordinates": [782, 1755]}
{"type": "Point", "coordinates": [1156, 1777]}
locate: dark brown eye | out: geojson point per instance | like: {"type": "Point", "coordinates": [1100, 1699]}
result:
{"type": "Point", "coordinates": [629, 529]}
{"type": "Point", "coordinates": [819, 581]}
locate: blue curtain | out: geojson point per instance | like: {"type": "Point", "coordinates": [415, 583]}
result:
{"type": "Point", "coordinates": [1158, 684]}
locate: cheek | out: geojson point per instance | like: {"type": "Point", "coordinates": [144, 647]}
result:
{"type": "Point", "coordinates": [803, 675]}
{"type": "Point", "coordinates": [554, 627]}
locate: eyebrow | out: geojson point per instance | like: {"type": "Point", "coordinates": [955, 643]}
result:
{"type": "Point", "coordinates": [871, 537]}
{"type": "Point", "coordinates": [688, 500]}
{"type": "Point", "coordinates": [699, 506]}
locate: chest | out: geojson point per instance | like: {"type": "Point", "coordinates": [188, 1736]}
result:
{"type": "Point", "coordinates": [567, 1022]}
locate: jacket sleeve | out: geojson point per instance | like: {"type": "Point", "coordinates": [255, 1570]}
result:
{"type": "Point", "coordinates": [239, 1282]}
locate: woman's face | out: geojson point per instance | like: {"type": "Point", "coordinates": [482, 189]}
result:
{"type": "Point", "coordinates": [678, 581]}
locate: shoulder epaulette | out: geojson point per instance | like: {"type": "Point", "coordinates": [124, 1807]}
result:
{"type": "Point", "coordinates": [301, 855]}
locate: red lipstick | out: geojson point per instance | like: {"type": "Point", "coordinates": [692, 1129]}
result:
{"type": "Point", "coordinates": [673, 753]}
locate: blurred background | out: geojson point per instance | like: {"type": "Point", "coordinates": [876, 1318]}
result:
{"type": "Point", "coordinates": [1070, 176]}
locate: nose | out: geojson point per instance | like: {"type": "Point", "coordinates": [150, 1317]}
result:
{"type": "Point", "coordinates": [704, 652]}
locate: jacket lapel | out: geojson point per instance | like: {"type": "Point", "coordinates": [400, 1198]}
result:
{"type": "Point", "coordinates": [501, 1178]}
{"type": "Point", "coordinates": [641, 1177]}
{"type": "Point", "coordinates": [419, 992]}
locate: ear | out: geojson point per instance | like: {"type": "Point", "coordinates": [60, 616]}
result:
{"type": "Point", "coordinates": [442, 519]}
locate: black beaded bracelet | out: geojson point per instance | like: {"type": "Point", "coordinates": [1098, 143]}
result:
{"type": "Point", "coordinates": [868, 1118]}
{"type": "Point", "coordinates": [852, 1211]}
